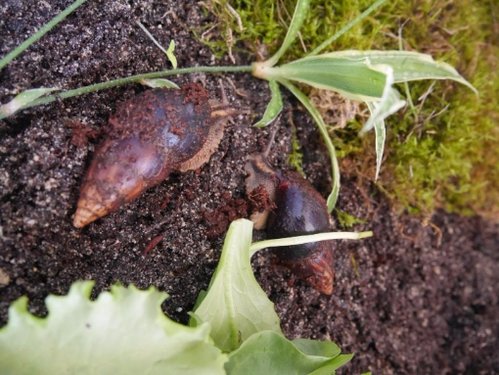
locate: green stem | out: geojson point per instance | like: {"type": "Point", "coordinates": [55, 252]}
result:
{"type": "Point", "coordinates": [335, 169]}
{"type": "Point", "coordinates": [299, 240]}
{"type": "Point", "coordinates": [133, 79]}
{"type": "Point", "coordinates": [347, 27]}
{"type": "Point", "coordinates": [35, 37]}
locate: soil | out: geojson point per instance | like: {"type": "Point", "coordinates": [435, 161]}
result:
{"type": "Point", "coordinates": [419, 297]}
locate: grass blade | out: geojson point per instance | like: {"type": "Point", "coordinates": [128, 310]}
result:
{"type": "Point", "coordinates": [333, 196]}
{"type": "Point", "coordinates": [274, 107]}
{"type": "Point", "coordinates": [380, 132]}
{"type": "Point", "coordinates": [347, 27]}
{"type": "Point", "coordinates": [40, 33]}
{"type": "Point", "coordinates": [299, 15]}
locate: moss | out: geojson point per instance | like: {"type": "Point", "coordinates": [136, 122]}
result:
{"type": "Point", "coordinates": [441, 153]}
{"type": "Point", "coordinates": [295, 158]}
{"type": "Point", "coordinates": [346, 220]}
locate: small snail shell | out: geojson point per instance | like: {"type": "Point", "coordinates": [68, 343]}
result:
{"type": "Point", "coordinates": [152, 134]}
{"type": "Point", "coordinates": [298, 209]}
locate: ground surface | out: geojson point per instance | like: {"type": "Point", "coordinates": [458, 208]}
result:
{"type": "Point", "coordinates": [416, 298]}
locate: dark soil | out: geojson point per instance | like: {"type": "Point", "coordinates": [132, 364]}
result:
{"type": "Point", "coordinates": [417, 298]}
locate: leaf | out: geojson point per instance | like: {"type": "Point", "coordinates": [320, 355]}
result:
{"type": "Point", "coordinates": [235, 305]}
{"type": "Point", "coordinates": [23, 99]}
{"type": "Point", "coordinates": [159, 83]}
{"type": "Point", "coordinates": [316, 116]}
{"type": "Point", "coordinates": [407, 66]}
{"type": "Point", "coordinates": [354, 79]}
{"type": "Point", "coordinates": [123, 332]}
{"type": "Point", "coordinates": [347, 27]}
{"type": "Point", "coordinates": [268, 352]}
{"type": "Point", "coordinates": [299, 14]}
{"type": "Point", "coordinates": [389, 102]}
{"type": "Point", "coordinates": [274, 107]}
{"type": "Point", "coordinates": [170, 54]}
{"type": "Point", "coordinates": [380, 133]}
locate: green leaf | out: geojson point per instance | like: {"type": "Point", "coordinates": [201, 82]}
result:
{"type": "Point", "coordinates": [380, 133]}
{"type": "Point", "coordinates": [170, 54]}
{"type": "Point", "coordinates": [22, 99]}
{"type": "Point", "coordinates": [317, 348]}
{"type": "Point", "coordinates": [123, 332]}
{"type": "Point", "coordinates": [407, 66]}
{"type": "Point", "coordinates": [389, 103]}
{"type": "Point", "coordinates": [274, 107]}
{"type": "Point", "coordinates": [235, 305]}
{"type": "Point", "coordinates": [268, 352]}
{"type": "Point", "coordinates": [159, 83]}
{"type": "Point", "coordinates": [300, 12]}
{"type": "Point", "coordinates": [354, 79]}
{"type": "Point", "coordinates": [347, 27]}
{"type": "Point", "coordinates": [335, 169]}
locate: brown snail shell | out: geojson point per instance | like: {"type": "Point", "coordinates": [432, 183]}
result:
{"type": "Point", "coordinates": [151, 135]}
{"type": "Point", "coordinates": [298, 209]}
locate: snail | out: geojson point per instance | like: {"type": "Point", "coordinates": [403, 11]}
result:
{"type": "Point", "coordinates": [150, 135]}
{"type": "Point", "coordinates": [295, 208]}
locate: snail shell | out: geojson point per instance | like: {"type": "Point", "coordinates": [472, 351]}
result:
{"type": "Point", "coordinates": [151, 135]}
{"type": "Point", "coordinates": [298, 210]}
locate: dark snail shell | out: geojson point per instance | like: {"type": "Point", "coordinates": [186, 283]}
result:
{"type": "Point", "coordinates": [301, 210]}
{"type": "Point", "coordinates": [298, 210]}
{"type": "Point", "coordinates": [152, 134]}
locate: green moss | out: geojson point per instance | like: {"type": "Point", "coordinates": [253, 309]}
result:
{"type": "Point", "coordinates": [346, 220]}
{"type": "Point", "coordinates": [442, 153]}
{"type": "Point", "coordinates": [295, 158]}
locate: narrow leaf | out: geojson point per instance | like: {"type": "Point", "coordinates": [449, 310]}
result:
{"type": "Point", "coordinates": [347, 27]}
{"type": "Point", "coordinates": [380, 133]}
{"type": "Point", "coordinates": [274, 107]}
{"type": "Point", "coordinates": [299, 15]}
{"type": "Point", "coordinates": [170, 54]}
{"type": "Point", "coordinates": [235, 305]}
{"type": "Point", "coordinates": [389, 103]}
{"type": "Point", "coordinates": [270, 353]}
{"type": "Point", "coordinates": [23, 99]}
{"type": "Point", "coordinates": [40, 33]}
{"type": "Point", "coordinates": [316, 116]}
{"type": "Point", "coordinates": [354, 79]}
{"type": "Point", "coordinates": [159, 83]}
{"type": "Point", "coordinates": [407, 66]}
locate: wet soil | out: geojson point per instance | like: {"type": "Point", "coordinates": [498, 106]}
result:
{"type": "Point", "coordinates": [420, 297]}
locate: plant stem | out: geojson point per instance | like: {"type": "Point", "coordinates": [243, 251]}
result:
{"type": "Point", "coordinates": [299, 240]}
{"type": "Point", "coordinates": [35, 37]}
{"type": "Point", "coordinates": [347, 27]}
{"type": "Point", "coordinates": [133, 79]}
